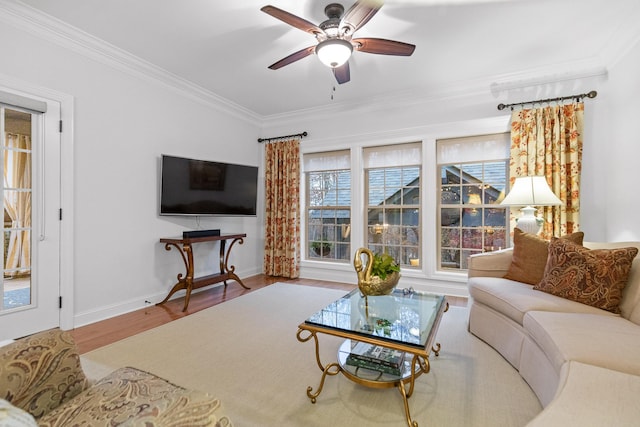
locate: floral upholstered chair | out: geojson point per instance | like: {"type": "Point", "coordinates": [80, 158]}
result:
{"type": "Point", "coordinates": [42, 383]}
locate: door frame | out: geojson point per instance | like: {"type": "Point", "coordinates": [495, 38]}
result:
{"type": "Point", "coordinates": [66, 259]}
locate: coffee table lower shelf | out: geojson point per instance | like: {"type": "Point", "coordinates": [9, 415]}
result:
{"type": "Point", "coordinates": [415, 364]}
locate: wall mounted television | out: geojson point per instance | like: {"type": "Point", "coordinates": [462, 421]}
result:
{"type": "Point", "coordinates": [206, 188]}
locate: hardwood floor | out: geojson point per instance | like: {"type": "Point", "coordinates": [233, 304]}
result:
{"type": "Point", "coordinates": [111, 330]}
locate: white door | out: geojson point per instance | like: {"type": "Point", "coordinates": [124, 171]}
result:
{"type": "Point", "coordinates": [30, 164]}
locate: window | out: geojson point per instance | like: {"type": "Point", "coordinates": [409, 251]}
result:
{"type": "Point", "coordinates": [392, 176]}
{"type": "Point", "coordinates": [17, 195]}
{"type": "Point", "coordinates": [473, 177]}
{"type": "Point", "coordinates": [328, 206]}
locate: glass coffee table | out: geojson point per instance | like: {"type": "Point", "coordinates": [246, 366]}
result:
{"type": "Point", "coordinates": [403, 323]}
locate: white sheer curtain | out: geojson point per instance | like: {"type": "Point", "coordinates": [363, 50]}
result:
{"type": "Point", "coordinates": [17, 201]}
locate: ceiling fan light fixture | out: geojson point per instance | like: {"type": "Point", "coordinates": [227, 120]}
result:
{"type": "Point", "coordinates": [334, 52]}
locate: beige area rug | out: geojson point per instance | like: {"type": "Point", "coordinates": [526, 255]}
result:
{"type": "Point", "coordinates": [245, 352]}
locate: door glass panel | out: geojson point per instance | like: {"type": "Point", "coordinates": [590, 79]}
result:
{"type": "Point", "coordinates": [16, 202]}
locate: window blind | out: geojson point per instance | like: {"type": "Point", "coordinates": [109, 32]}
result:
{"type": "Point", "coordinates": [473, 149]}
{"type": "Point", "coordinates": [393, 155]}
{"type": "Point", "coordinates": [331, 160]}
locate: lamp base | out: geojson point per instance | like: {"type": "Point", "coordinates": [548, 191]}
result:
{"type": "Point", "coordinates": [528, 222]}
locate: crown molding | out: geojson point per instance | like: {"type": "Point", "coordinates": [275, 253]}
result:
{"type": "Point", "coordinates": [492, 88]}
{"type": "Point", "coordinates": [370, 104]}
{"type": "Point", "coordinates": [27, 18]}
{"type": "Point", "coordinates": [569, 71]}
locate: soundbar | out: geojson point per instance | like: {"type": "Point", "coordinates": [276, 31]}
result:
{"type": "Point", "coordinates": [200, 233]}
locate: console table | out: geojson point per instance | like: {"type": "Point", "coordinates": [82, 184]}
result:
{"type": "Point", "coordinates": [188, 282]}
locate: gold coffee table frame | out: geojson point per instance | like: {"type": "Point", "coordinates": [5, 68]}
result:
{"type": "Point", "coordinates": [405, 384]}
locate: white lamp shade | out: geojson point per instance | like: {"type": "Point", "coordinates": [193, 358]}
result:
{"type": "Point", "coordinates": [334, 52]}
{"type": "Point", "coordinates": [531, 191]}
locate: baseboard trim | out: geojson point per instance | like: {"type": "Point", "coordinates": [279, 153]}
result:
{"type": "Point", "coordinates": [137, 303]}
{"type": "Point", "coordinates": [124, 307]}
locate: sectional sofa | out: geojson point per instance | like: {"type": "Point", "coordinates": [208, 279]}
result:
{"type": "Point", "coordinates": [567, 317]}
{"type": "Point", "coordinates": [42, 384]}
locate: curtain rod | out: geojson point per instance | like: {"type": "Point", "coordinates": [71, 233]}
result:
{"type": "Point", "coordinates": [591, 94]}
{"type": "Point", "coordinates": [301, 135]}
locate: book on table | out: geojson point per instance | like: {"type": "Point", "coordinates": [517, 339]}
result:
{"type": "Point", "coordinates": [374, 366]}
{"type": "Point", "coordinates": [376, 357]}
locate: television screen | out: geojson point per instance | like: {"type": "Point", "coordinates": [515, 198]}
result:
{"type": "Point", "coordinates": [199, 187]}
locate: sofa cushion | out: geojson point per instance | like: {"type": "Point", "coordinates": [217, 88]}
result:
{"type": "Point", "coordinates": [591, 396]}
{"type": "Point", "coordinates": [594, 277]}
{"type": "Point", "coordinates": [607, 341]}
{"type": "Point", "coordinates": [11, 416]}
{"type": "Point", "coordinates": [40, 372]}
{"type": "Point", "coordinates": [514, 299]}
{"type": "Point", "coordinates": [129, 396]}
{"type": "Point", "coordinates": [530, 254]}
{"type": "Point", "coordinates": [490, 264]}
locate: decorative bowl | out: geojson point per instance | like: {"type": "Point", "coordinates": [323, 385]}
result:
{"type": "Point", "coordinates": [377, 286]}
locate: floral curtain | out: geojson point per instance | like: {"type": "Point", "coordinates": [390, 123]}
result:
{"type": "Point", "coordinates": [17, 202]}
{"type": "Point", "coordinates": [548, 141]}
{"type": "Point", "coordinates": [282, 209]}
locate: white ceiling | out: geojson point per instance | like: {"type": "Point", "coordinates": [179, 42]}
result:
{"type": "Point", "coordinates": [226, 46]}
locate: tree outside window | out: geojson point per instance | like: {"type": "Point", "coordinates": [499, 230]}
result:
{"type": "Point", "coordinates": [471, 218]}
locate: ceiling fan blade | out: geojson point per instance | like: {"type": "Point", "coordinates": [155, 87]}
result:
{"type": "Point", "coordinates": [292, 20]}
{"type": "Point", "coordinates": [342, 73]}
{"type": "Point", "coordinates": [303, 53]}
{"type": "Point", "coordinates": [358, 15]}
{"type": "Point", "coordinates": [383, 46]}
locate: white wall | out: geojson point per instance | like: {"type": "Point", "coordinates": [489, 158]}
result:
{"type": "Point", "coordinates": [616, 173]}
{"type": "Point", "coordinates": [122, 123]}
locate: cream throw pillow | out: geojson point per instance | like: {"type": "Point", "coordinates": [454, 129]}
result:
{"type": "Point", "coordinates": [530, 254]}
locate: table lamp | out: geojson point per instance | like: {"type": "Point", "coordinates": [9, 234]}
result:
{"type": "Point", "coordinates": [474, 199]}
{"type": "Point", "coordinates": [529, 191]}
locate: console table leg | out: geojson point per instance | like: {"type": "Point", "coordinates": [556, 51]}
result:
{"type": "Point", "coordinates": [177, 287]}
{"type": "Point", "coordinates": [224, 262]}
{"type": "Point", "coordinates": [185, 282]}
{"type": "Point", "coordinates": [187, 297]}
{"type": "Point", "coordinates": [186, 248]}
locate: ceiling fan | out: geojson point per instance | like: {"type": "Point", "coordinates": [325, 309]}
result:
{"type": "Point", "coordinates": [335, 36]}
